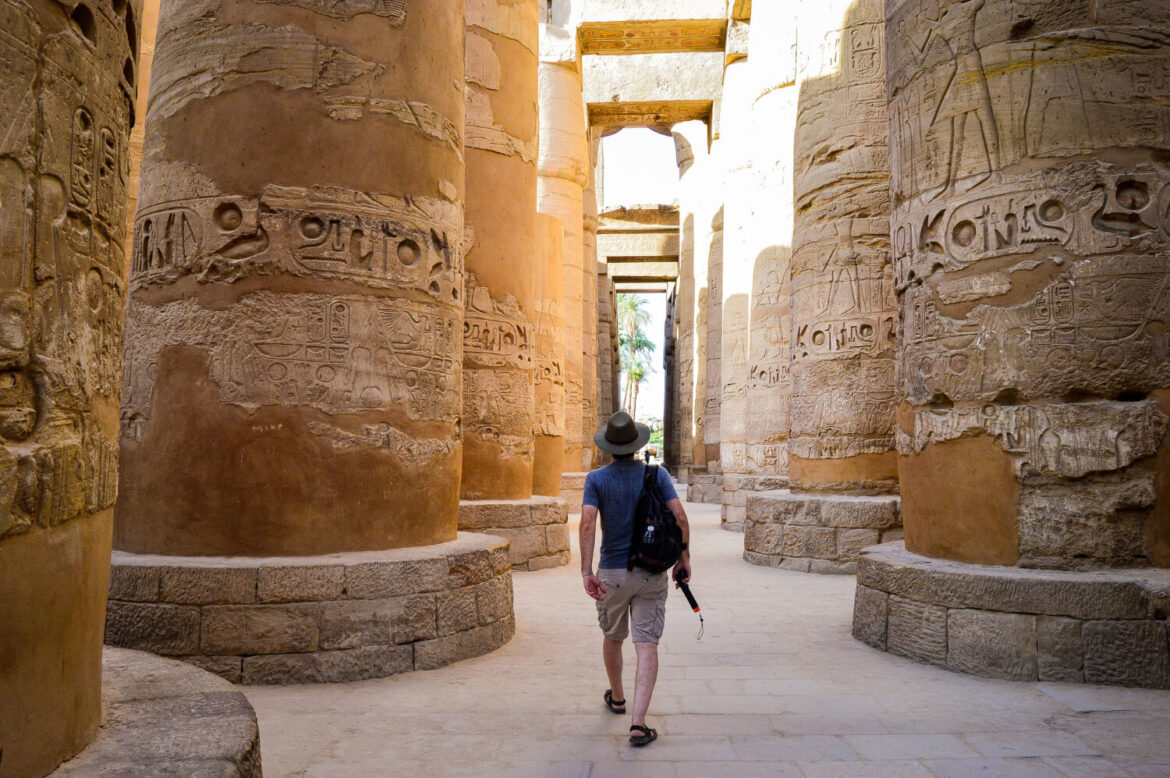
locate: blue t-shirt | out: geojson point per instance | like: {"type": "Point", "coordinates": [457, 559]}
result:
{"type": "Point", "coordinates": [614, 491]}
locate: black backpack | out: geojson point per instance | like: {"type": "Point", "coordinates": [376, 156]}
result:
{"type": "Point", "coordinates": [657, 543]}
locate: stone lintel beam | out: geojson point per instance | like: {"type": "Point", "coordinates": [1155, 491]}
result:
{"type": "Point", "coordinates": [654, 78]}
{"type": "Point", "coordinates": [638, 244]}
{"type": "Point", "coordinates": [653, 36]}
{"type": "Point", "coordinates": [641, 287]}
{"type": "Point", "coordinates": [651, 10]}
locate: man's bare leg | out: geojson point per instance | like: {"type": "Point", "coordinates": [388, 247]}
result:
{"type": "Point", "coordinates": [644, 680]}
{"type": "Point", "coordinates": [611, 651]}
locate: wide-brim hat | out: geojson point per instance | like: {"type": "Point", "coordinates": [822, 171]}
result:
{"type": "Point", "coordinates": [621, 435]}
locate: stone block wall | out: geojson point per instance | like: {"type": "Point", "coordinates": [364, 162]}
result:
{"type": "Point", "coordinates": [705, 487]}
{"type": "Point", "coordinates": [1103, 627]}
{"type": "Point", "coordinates": [536, 530]}
{"type": "Point", "coordinates": [736, 490]}
{"type": "Point", "coordinates": [817, 533]}
{"type": "Point", "coordinates": [325, 619]}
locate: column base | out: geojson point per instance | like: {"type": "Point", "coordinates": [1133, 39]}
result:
{"type": "Point", "coordinates": [815, 532]}
{"type": "Point", "coordinates": [736, 487]}
{"type": "Point", "coordinates": [322, 619]}
{"type": "Point", "coordinates": [536, 529]}
{"type": "Point", "coordinates": [167, 718]}
{"type": "Point", "coordinates": [705, 487]}
{"type": "Point", "coordinates": [1098, 627]}
{"type": "Point", "coordinates": [573, 490]}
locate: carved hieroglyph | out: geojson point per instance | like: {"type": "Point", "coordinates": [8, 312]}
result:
{"type": "Point", "coordinates": [690, 144]}
{"type": "Point", "coordinates": [589, 321]}
{"type": "Point", "coordinates": [66, 109]}
{"type": "Point", "coordinates": [549, 358]}
{"type": "Point", "coordinates": [712, 415]}
{"type": "Point", "coordinates": [1030, 240]}
{"type": "Point", "coordinates": [843, 307]}
{"type": "Point", "coordinates": [297, 293]}
{"type": "Point", "coordinates": [501, 249]}
{"type": "Point", "coordinates": [739, 261]}
{"type": "Point", "coordinates": [563, 165]}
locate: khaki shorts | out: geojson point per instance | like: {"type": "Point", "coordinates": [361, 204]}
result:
{"type": "Point", "coordinates": [633, 595]}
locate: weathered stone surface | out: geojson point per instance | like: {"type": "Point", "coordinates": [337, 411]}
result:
{"type": "Point", "coordinates": [549, 390]}
{"type": "Point", "coordinates": [1004, 332]}
{"type": "Point", "coordinates": [456, 587]}
{"type": "Point", "coordinates": [818, 542]}
{"type": "Point", "coordinates": [998, 645]}
{"type": "Point", "coordinates": [917, 630]}
{"type": "Point", "coordinates": [442, 651]}
{"type": "Point", "coordinates": [1060, 649]}
{"type": "Point", "coordinates": [850, 542]}
{"type": "Point", "coordinates": [260, 629]}
{"type": "Point", "coordinates": [559, 559]}
{"type": "Point", "coordinates": [557, 537]}
{"type": "Point", "coordinates": [341, 282]}
{"type": "Point", "coordinates": [207, 585]}
{"type": "Point", "coordinates": [352, 624]}
{"type": "Point", "coordinates": [826, 510]}
{"type": "Point", "coordinates": [166, 718]}
{"type": "Point", "coordinates": [229, 668]}
{"type": "Point", "coordinates": [493, 599]}
{"type": "Point", "coordinates": [155, 627]}
{"type": "Point", "coordinates": [562, 168]}
{"type": "Point", "coordinates": [844, 312]}
{"type": "Point", "coordinates": [457, 611]}
{"type": "Point", "coordinates": [1104, 595]}
{"type": "Point", "coordinates": [468, 568]}
{"type": "Point", "coordinates": [374, 580]}
{"type": "Point", "coordinates": [525, 544]}
{"type": "Point", "coordinates": [870, 614]}
{"type": "Point", "coordinates": [355, 664]}
{"type": "Point", "coordinates": [1129, 653]}
{"type": "Point", "coordinates": [134, 583]}
{"type": "Point", "coordinates": [69, 74]}
{"type": "Point", "coordinates": [705, 488]}
{"type": "Point", "coordinates": [300, 583]}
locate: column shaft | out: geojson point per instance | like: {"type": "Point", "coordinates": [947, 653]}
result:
{"type": "Point", "coordinates": [502, 259]}
{"type": "Point", "coordinates": [66, 110]}
{"type": "Point", "coordinates": [296, 298]}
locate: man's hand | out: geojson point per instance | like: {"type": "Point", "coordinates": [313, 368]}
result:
{"type": "Point", "coordinates": [593, 586]}
{"type": "Point", "coordinates": [684, 564]}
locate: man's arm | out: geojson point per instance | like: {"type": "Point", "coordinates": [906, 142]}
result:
{"type": "Point", "coordinates": [587, 536]}
{"type": "Point", "coordinates": [684, 560]}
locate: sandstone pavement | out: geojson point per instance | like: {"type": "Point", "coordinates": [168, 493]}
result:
{"type": "Point", "coordinates": [776, 686]}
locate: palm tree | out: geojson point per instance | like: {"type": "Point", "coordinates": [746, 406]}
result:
{"type": "Point", "coordinates": [635, 349]}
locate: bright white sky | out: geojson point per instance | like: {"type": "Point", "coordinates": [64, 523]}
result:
{"type": "Point", "coordinates": [640, 169]}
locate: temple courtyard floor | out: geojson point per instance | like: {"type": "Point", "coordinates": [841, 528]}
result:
{"type": "Point", "coordinates": [775, 687]}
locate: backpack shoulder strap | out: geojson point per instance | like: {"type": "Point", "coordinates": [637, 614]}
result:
{"type": "Point", "coordinates": [649, 476]}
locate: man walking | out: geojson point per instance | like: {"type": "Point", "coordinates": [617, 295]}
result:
{"type": "Point", "coordinates": [634, 599]}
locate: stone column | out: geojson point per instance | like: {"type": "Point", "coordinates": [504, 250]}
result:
{"type": "Point", "coordinates": [753, 418]}
{"type": "Point", "coordinates": [687, 136]}
{"type": "Point", "coordinates": [590, 390]}
{"type": "Point", "coordinates": [563, 171]}
{"type": "Point", "coordinates": [697, 207]}
{"type": "Point", "coordinates": [148, 27]}
{"type": "Point", "coordinates": [842, 466]}
{"type": "Point", "coordinates": [1028, 154]}
{"type": "Point", "coordinates": [66, 109]}
{"type": "Point", "coordinates": [550, 358]}
{"type": "Point", "coordinates": [294, 326]}
{"type": "Point", "coordinates": [712, 416]}
{"type": "Point", "coordinates": [501, 301]}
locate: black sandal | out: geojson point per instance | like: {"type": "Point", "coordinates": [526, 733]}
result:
{"type": "Point", "coordinates": [648, 735]}
{"type": "Point", "coordinates": [614, 705]}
